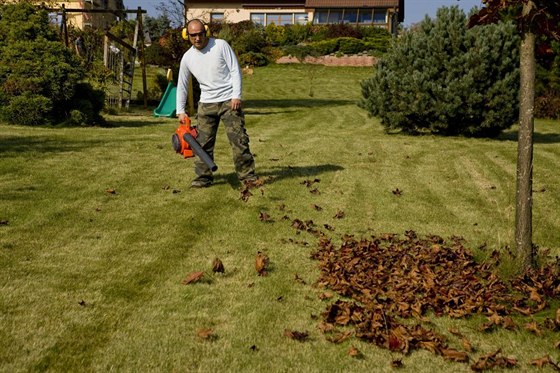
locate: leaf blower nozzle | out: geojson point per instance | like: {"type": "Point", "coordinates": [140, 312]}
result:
{"type": "Point", "coordinates": [184, 142]}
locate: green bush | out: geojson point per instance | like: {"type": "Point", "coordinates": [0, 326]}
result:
{"type": "Point", "coordinates": [351, 45]}
{"type": "Point", "coordinates": [253, 59]}
{"type": "Point", "coordinates": [39, 77]}
{"type": "Point", "coordinates": [446, 79]}
{"type": "Point", "coordinates": [325, 47]}
{"type": "Point", "coordinates": [27, 109]}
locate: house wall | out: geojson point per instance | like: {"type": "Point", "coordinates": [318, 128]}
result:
{"type": "Point", "coordinates": [236, 11]}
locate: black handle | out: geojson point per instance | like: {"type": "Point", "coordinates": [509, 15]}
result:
{"type": "Point", "coordinates": [197, 149]}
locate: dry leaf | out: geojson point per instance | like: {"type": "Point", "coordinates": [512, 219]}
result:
{"type": "Point", "coordinates": [340, 337]}
{"type": "Point", "coordinates": [397, 192]}
{"type": "Point", "coordinates": [264, 217]}
{"type": "Point", "coordinates": [533, 328]}
{"type": "Point", "coordinates": [454, 355]}
{"type": "Point", "coordinates": [110, 191]}
{"type": "Point", "coordinates": [298, 336]}
{"type": "Point", "coordinates": [192, 277]}
{"type": "Point", "coordinates": [261, 264]}
{"type": "Point", "coordinates": [541, 362]}
{"type": "Point", "coordinates": [397, 363]}
{"type": "Point", "coordinates": [354, 352]}
{"type": "Point", "coordinates": [205, 333]}
{"type": "Point", "coordinates": [217, 266]}
{"type": "Point", "coordinates": [339, 214]}
{"type": "Point", "coordinates": [466, 345]}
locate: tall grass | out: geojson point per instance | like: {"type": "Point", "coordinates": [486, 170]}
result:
{"type": "Point", "coordinates": [90, 280]}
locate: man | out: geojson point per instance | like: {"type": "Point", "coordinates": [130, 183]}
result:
{"type": "Point", "coordinates": [214, 64]}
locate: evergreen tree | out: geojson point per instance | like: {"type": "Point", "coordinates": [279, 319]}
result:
{"type": "Point", "coordinates": [38, 74]}
{"type": "Point", "coordinates": [446, 79]}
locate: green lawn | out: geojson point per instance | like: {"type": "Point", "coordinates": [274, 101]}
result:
{"type": "Point", "coordinates": [91, 280]}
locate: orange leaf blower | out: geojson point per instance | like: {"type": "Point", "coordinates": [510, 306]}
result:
{"type": "Point", "coordinates": [184, 142]}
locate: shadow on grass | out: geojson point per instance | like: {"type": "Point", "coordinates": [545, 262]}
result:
{"type": "Point", "coordinates": [297, 103]}
{"type": "Point", "coordinates": [538, 138]}
{"type": "Point", "coordinates": [137, 121]}
{"type": "Point", "coordinates": [279, 173]}
{"type": "Point", "coordinates": [43, 144]}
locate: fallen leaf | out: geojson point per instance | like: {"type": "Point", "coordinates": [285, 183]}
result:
{"type": "Point", "coordinates": [4, 222]}
{"type": "Point", "coordinates": [316, 207]}
{"type": "Point", "coordinates": [82, 303]}
{"type": "Point", "coordinates": [339, 214]}
{"type": "Point", "coordinates": [261, 264]}
{"type": "Point", "coordinates": [397, 192]}
{"type": "Point", "coordinates": [533, 328]}
{"type": "Point", "coordinates": [192, 277]}
{"type": "Point", "coordinates": [454, 355]}
{"type": "Point", "coordinates": [541, 362]}
{"type": "Point", "coordinates": [110, 191]}
{"type": "Point", "coordinates": [245, 194]}
{"type": "Point", "coordinates": [354, 352]}
{"type": "Point", "coordinates": [397, 363]}
{"type": "Point", "coordinates": [217, 266]}
{"type": "Point", "coordinates": [466, 345]}
{"type": "Point", "coordinates": [340, 337]}
{"type": "Point", "coordinates": [264, 217]}
{"type": "Point", "coordinates": [298, 336]}
{"type": "Point", "coordinates": [205, 333]}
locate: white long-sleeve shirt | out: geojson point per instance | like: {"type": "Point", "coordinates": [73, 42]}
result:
{"type": "Point", "coordinates": [216, 69]}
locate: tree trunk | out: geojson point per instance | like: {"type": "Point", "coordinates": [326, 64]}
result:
{"type": "Point", "coordinates": [524, 195]}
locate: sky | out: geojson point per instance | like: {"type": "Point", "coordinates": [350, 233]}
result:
{"type": "Point", "coordinates": [415, 10]}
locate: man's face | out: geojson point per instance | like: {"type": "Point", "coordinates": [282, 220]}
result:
{"type": "Point", "coordinates": [197, 35]}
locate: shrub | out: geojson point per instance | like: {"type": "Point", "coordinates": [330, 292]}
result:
{"type": "Point", "coordinates": [324, 47]}
{"type": "Point", "coordinates": [27, 109]}
{"type": "Point", "coordinates": [39, 76]}
{"type": "Point", "coordinates": [252, 59]}
{"type": "Point", "coordinates": [447, 80]}
{"type": "Point", "coordinates": [351, 45]}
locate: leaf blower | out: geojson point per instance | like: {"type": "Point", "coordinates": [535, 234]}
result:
{"type": "Point", "coordinates": [184, 142]}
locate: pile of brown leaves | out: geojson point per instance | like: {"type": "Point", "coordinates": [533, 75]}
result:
{"type": "Point", "coordinates": [389, 279]}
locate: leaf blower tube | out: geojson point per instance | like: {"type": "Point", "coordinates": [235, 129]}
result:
{"type": "Point", "coordinates": [184, 142]}
{"type": "Point", "coordinates": [197, 149]}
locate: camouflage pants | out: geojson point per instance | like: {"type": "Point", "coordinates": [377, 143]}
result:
{"type": "Point", "coordinates": [209, 116]}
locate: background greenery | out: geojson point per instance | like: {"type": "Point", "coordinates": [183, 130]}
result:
{"type": "Point", "coordinates": [90, 280]}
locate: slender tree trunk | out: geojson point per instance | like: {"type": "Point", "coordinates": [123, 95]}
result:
{"type": "Point", "coordinates": [524, 195]}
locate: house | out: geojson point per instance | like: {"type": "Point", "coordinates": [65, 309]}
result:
{"type": "Point", "coordinates": [97, 14]}
{"type": "Point", "coordinates": [380, 13]}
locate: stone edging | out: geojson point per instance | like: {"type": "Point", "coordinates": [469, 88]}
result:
{"type": "Point", "coordinates": [332, 60]}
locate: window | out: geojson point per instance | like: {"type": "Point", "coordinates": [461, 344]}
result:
{"type": "Point", "coordinates": [350, 15]}
{"type": "Point", "coordinates": [379, 17]}
{"type": "Point", "coordinates": [216, 17]}
{"type": "Point", "coordinates": [321, 16]}
{"type": "Point", "coordinates": [365, 16]}
{"type": "Point", "coordinates": [301, 18]}
{"type": "Point", "coordinates": [257, 18]}
{"type": "Point", "coordinates": [279, 19]}
{"type": "Point", "coordinates": [335, 16]}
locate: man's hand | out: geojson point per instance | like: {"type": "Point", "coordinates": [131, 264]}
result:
{"type": "Point", "coordinates": [235, 104]}
{"type": "Point", "coordinates": [183, 117]}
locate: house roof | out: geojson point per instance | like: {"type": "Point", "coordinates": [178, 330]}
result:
{"type": "Point", "coordinates": [351, 3]}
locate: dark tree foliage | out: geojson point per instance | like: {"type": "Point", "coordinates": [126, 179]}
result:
{"type": "Point", "coordinates": [38, 74]}
{"type": "Point", "coordinates": [446, 79]}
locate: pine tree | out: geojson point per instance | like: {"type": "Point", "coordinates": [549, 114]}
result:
{"type": "Point", "coordinates": [446, 79]}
